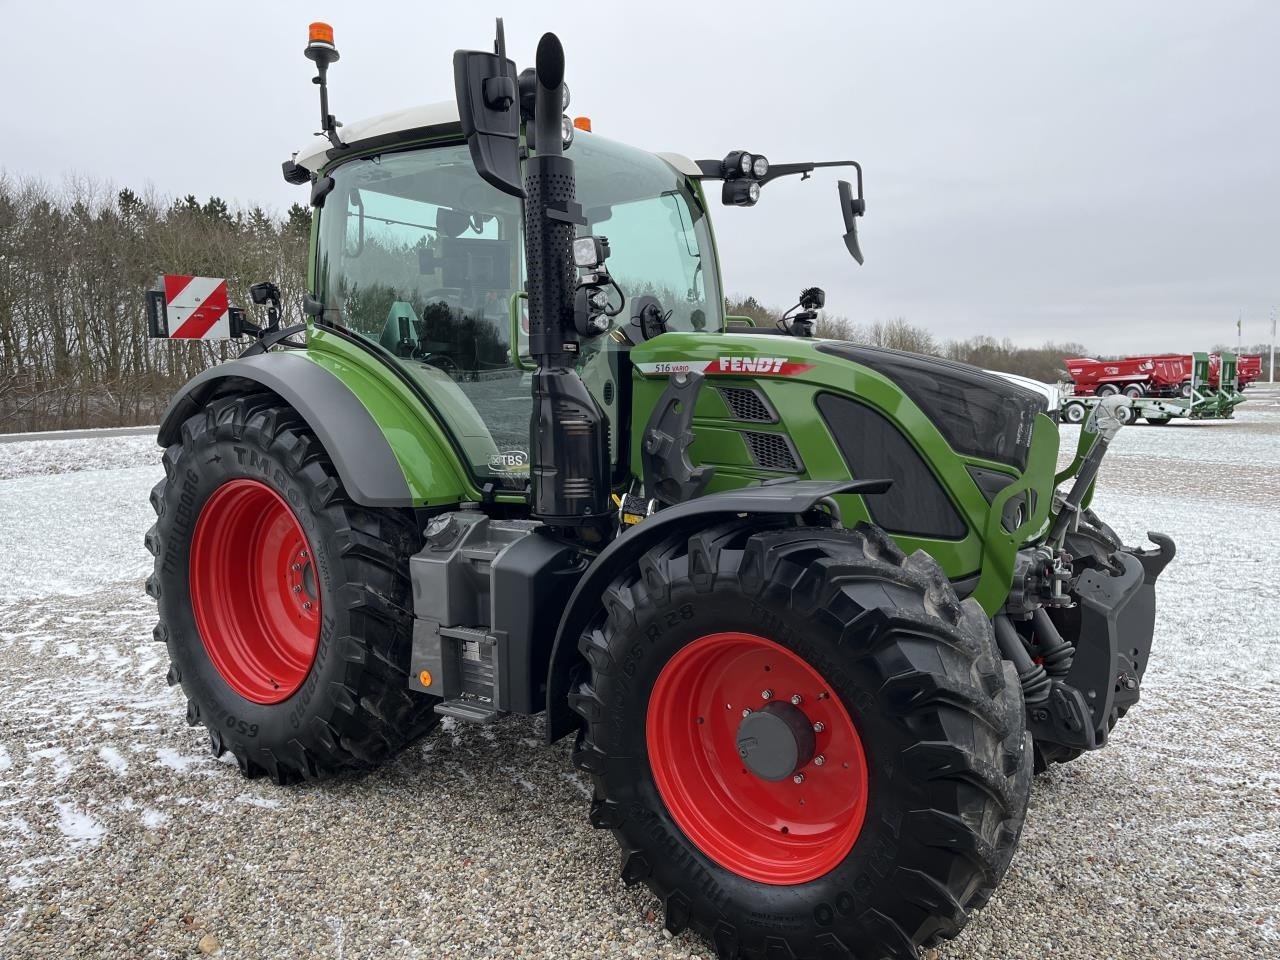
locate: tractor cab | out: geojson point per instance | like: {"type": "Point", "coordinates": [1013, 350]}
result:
{"type": "Point", "coordinates": [424, 262]}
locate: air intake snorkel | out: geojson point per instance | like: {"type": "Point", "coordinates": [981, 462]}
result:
{"type": "Point", "coordinates": [568, 439]}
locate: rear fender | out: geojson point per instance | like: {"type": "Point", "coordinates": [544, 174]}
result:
{"type": "Point", "coordinates": [787, 497]}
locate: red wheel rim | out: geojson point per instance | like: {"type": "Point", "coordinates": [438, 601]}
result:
{"type": "Point", "coordinates": [254, 591]}
{"type": "Point", "coordinates": [780, 832]}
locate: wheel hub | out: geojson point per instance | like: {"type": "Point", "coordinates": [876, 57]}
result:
{"type": "Point", "coordinates": [756, 759]}
{"type": "Point", "coordinates": [776, 741]}
{"type": "Point", "coordinates": [254, 591]}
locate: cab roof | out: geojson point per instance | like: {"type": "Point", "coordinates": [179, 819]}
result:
{"type": "Point", "coordinates": [410, 123]}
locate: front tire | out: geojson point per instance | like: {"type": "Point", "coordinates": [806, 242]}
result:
{"type": "Point", "coordinates": [912, 815]}
{"type": "Point", "coordinates": [285, 608]}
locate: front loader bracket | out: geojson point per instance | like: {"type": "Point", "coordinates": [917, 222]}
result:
{"type": "Point", "coordinates": [664, 456]}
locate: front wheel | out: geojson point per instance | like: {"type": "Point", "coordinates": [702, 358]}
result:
{"type": "Point", "coordinates": [804, 744]}
{"type": "Point", "coordinates": [285, 608]}
{"type": "Point", "coordinates": [1108, 390]}
{"type": "Point", "coordinates": [1074, 412]}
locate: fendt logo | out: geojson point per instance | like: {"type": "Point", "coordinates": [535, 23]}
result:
{"type": "Point", "coordinates": [769, 366]}
{"type": "Point", "coordinates": [779, 366]}
{"type": "Point", "coordinates": [509, 460]}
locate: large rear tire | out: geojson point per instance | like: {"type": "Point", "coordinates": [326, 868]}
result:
{"type": "Point", "coordinates": [874, 835]}
{"type": "Point", "coordinates": [285, 607]}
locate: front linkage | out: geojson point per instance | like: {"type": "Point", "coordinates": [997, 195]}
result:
{"type": "Point", "coordinates": [1080, 619]}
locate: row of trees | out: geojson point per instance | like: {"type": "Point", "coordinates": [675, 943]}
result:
{"type": "Point", "coordinates": [75, 263]}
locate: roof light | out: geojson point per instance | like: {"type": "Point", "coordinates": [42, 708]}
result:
{"type": "Point", "coordinates": [320, 32]}
{"type": "Point", "coordinates": [582, 123]}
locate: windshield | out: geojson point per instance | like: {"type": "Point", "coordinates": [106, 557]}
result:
{"type": "Point", "coordinates": [420, 256]}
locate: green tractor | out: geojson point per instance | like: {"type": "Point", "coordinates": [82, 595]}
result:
{"type": "Point", "coordinates": [810, 610]}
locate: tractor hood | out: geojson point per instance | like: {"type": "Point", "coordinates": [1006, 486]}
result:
{"type": "Point", "coordinates": [981, 414]}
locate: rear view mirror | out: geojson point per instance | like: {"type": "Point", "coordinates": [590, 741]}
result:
{"type": "Point", "coordinates": [489, 109]}
{"type": "Point", "coordinates": [851, 207]}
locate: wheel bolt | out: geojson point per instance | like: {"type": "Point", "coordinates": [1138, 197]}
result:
{"type": "Point", "coordinates": [306, 605]}
{"type": "Point", "coordinates": [297, 588]}
{"type": "Point", "coordinates": [766, 694]}
{"type": "Point", "coordinates": [795, 699]}
{"type": "Point", "coordinates": [296, 566]}
{"type": "Point", "coordinates": [819, 760]}
{"type": "Point", "coordinates": [798, 778]}
{"type": "Point", "coordinates": [746, 711]}
{"type": "Point", "coordinates": [819, 727]}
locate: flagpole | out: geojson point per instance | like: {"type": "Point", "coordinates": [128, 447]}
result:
{"type": "Point", "coordinates": [1273, 346]}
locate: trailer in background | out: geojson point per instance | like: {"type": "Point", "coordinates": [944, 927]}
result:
{"type": "Point", "coordinates": [1207, 397]}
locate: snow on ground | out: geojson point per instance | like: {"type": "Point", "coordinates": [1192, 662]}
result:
{"type": "Point", "coordinates": [122, 836]}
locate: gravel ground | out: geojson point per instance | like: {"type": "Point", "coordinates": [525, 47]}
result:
{"type": "Point", "coordinates": [122, 837]}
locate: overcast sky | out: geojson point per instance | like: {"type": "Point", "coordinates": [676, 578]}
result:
{"type": "Point", "coordinates": [1097, 171]}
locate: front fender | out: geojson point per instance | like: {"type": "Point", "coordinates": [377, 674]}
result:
{"type": "Point", "coordinates": [355, 443]}
{"type": "Point", "coordinates": [785, 497]}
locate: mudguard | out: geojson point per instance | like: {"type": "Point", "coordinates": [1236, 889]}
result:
{"type": "Point", "coordinates": [355, 443]}
{"type": "Point", "coordinates": [774, 497]}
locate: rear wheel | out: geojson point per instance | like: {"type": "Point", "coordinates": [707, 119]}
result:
{"type": "Point", "coordinates": [1184, 389]}
{"type": "Point", "coordinates": [803, 743]}
{"type": "Point", "coordinates": [1074, 412]}
{"type": "Point", "coordinates": [1132, 391]}
{"type": "Point", "coordinates": [1158, 421]}
{"type": "Point", "coordinates": [1108, 390]}
{"type": "Point", "coordinates": [285, 608]}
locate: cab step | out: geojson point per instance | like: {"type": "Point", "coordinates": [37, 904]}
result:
{"type": "Point", "coordinates": [472, 711]}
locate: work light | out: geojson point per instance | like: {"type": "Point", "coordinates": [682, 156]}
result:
{"type": "Point", "coordinates": [759, 167]}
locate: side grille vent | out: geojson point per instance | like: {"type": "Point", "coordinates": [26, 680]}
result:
{"type": "Point", "coordinates": [773, 451]}
{"type": "Point", "coordinates": [747, 404]}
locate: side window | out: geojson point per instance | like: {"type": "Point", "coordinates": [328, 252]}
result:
{"type": "Point", "coordinates": [424, 260]}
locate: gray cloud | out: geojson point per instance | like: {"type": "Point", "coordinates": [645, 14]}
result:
{"type": "Point", "coordinates": [1097, 171]}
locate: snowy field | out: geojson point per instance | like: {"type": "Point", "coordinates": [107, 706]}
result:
{"type": "Point", "coordinates": [121, 837]}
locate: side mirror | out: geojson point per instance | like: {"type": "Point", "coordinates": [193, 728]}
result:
{"type": "Point", "coordinates": [852, 207]}
{"type": "Point", "coordinates": [489, 109]}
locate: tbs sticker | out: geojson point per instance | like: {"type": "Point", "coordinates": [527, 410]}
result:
{"type": "Point", "coordinates": [509, 461]}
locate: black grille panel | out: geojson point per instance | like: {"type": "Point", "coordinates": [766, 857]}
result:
{"type": "Point", "coordinates": [773, 451]}
{"type": "Point", "coordinates": [747, 404]}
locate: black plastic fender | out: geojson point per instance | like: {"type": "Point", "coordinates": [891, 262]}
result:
{"type": "Point", "coordinates": [355, 443]}
{"type": "Point", "coordinates": [773, 497]}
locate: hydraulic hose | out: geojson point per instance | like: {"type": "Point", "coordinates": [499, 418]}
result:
{"type": "Point", "coordinates": [1056, 654]}
{"type": "Point", "coordinates": [1035, 682]}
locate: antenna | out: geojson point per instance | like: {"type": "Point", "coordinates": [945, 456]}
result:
{"type": "Point", "coordinates": [500, 41]}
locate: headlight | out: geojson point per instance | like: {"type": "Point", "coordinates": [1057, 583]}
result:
{"type": "Point", "coordinates": [566, 131]}
{"type": "Point", "coordinates": [564, 89]}
{"type": "Point", "coordinates": [759, 167]}
{"type": "Point", "coordinates": [585, 254]}
{"type": "Point", "coordinates": [740, 193]}
{"type": "Point", "coordinates": [744, 164]}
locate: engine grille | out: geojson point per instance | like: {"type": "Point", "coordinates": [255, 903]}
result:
{"type": "Point", "coordinates": [747, 404]}
{"type": "Point", "coordinates": [773, 451]}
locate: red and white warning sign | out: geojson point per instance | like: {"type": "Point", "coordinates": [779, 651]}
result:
{"type": "Point", "coordinates": [196, 308]}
